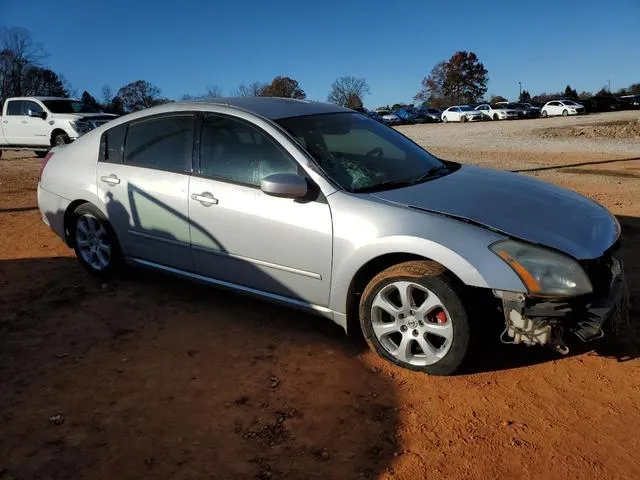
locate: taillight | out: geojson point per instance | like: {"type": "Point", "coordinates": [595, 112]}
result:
{"type": "Point", "coordinates": [46, 158]}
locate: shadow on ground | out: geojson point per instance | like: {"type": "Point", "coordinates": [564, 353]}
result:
{"type": "Point", "coordinates": [163, 378]}
{"type": "Point", "coordinates": [581, 164]}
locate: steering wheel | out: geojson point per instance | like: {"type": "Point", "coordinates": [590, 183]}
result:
{"type": "Point", "coordinates": [375, 152]}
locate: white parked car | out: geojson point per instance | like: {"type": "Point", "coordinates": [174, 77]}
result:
{"type": "Point", "coordinates": [388, 117]}
{"type": "Point", "coordinates": [497, 111]}
{"type": "Point", "coordinates": [460, 113]}
{"type": "Point", "coordinates": [562, 107]}
{"type": "Point", "coordinates": [38, 123]}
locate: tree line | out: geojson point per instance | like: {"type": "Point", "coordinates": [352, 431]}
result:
{"type": "Point", "coordinates": [461, 79]}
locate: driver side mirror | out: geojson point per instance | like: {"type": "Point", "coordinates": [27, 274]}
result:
{"type": "Point", "coordinates": [285, 185]}
{"type": "Point", "coordinates": [36, 114]}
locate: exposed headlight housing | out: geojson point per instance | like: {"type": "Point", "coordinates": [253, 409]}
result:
{"type": "Point", "coordinates": [80, 126]}
{"type": "Point", "coordinates": [544, 272]}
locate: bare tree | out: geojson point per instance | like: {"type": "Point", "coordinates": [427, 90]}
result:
{"type": "Point", "coordinates": [213, 91]}
{"type": "Point", "coordinates": [18, 51]}
{"type": "Point", "coordinates": [348, 92]}
{"type": "Point", "coordinates": [42, 81]}
{"type": "Point", "coordinates": [139, 95]}
{"type": "Point", "coordinates": [252, 90]}
{"type": "Point", "coordinates": [107, 94]}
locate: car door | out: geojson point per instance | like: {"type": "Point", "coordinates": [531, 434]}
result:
{"type": "Point", "coordinates": [14, 123]}
{"type": "Point", "coordinates": [143, 181]}
{"type": "Point", "coordinates": [245, 237]}
{"type": "Point", "coordinates": [36, 128]}
{"type": "Point", "coordinates": [484, 110]}
{"type": "Point", "coordinates": [554, 108]}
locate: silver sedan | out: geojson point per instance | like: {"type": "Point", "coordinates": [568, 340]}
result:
{"type": "Point", "coordinates": [324, 209]}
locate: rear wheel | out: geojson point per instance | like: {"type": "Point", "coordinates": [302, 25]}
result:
{"type": "Point", "coordinates": [544, 113]}
{"type": "Point", "coordinates": [411, 315]}
{"type": "Point", "coordinates": [444, 119]}
{"type": "Point", "coordinates": [95, 242]}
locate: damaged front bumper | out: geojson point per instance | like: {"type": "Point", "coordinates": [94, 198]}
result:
{"type": "Point", "coordinates": [536, 321]}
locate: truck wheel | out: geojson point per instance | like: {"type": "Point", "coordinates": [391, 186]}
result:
{"type": "Point", "coordinates": [412, 315]}
{"type": "Point", "coordinates": [61, 139]}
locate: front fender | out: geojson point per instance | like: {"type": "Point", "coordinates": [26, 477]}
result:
{"type": "Point", "coordinates": [365, 230]}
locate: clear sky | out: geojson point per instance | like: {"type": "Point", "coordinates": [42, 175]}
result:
{"type": "Point", "coordinates": [184, 46]}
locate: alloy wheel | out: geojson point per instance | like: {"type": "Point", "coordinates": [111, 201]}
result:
{"type": "Point", "coordinates": [411, 323]}
{"type": "Point", "coordinates": [93, 242]}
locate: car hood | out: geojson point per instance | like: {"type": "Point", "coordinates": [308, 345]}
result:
{"type": "Point", "coordinates": [77, 116]}
{"type": "Point", "coordinates": [518, 206]}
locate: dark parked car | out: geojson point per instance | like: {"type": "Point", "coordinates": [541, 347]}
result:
{"type": "Point", "coordinates": [369, 113]}
{"type": "Point", "coordinates": [405, 116]}
{"type": "Point", "coordinates": [629, 102]}
{"type": "Point", "coordinates": [602, 103]}
{"type": "Point", "coordinates": [431, 114]}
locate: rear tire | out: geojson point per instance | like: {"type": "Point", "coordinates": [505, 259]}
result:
{"type": "Point", "coordinates": [95, 242]}
{"type": "Point", "coordinates": [544, 114]}
{"type": "Point", "coordinates": [429, 331]}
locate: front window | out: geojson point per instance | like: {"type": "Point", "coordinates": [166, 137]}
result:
{"type": "Point", "coordinates": [68, 106]}
{"type": "Point", "coordinates": [360, 154]}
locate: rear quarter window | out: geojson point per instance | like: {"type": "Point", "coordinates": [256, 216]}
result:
{"type": "Point", "coordinates": [112, 143]}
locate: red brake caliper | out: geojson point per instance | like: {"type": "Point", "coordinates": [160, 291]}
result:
{"type": "Point", "coordinates": [438, 317]}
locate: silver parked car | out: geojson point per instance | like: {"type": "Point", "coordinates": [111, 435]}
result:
{"type": "Point", "coordinates": [322, 208]}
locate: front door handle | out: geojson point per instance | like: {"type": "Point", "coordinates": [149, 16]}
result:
{"type": "Point", "coordinates": [110, 179]}
{"type": "Point", "coordinates": [205, 198]}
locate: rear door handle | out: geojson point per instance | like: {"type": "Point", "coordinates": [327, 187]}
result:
{"type": "Point", "coordinates": [205, 198]}
{"type": "Point", "coordinates": [110, 179]}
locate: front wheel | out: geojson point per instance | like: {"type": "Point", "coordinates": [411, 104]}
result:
{"type": "Point", "coordinates": [411, 315]}
{"type": "Point", "coordinates": [463, 118]}
{"type": "Point", "coordinates": [60, 139]}
{"type": "Point", "coordinates": [95, 242]}
{"type": "Point", "coordinates": [564, 113]}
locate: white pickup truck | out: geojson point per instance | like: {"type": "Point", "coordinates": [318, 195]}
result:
{"type": "Point", "coordinates": [39, 123]}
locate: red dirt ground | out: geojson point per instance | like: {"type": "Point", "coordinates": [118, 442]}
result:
{"type": "Point", "coordinates": [154, 377]}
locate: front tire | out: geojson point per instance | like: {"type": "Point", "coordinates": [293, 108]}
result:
{"type": "Point", "coordinates": [95, 242]}
{"type": "Point", "coordinates": [60, 139]}
{"type": "Point", "coordinates": [564, 113]}
{"type": "Point", "coordinates": [412, 316]}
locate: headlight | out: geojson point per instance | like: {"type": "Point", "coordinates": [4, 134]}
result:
{"type": "Point", "coordinates": [544, 272]}
{"type": "Point", "coordinates": [81, 127]}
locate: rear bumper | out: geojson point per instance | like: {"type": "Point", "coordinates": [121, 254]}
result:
{"type": "Point", "coordinates": [52, 210]}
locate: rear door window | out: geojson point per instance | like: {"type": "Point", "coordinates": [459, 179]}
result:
{"type": "Point", "coordinates": [16, 107]}
{"type": "Point", "coordinates": [162, 143]}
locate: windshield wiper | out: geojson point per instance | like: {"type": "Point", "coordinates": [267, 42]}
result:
{"type": "Point", "coordinates": [388, 184]}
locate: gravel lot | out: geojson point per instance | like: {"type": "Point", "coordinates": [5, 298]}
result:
{"type": "Point", "coordinates": [153, 377]}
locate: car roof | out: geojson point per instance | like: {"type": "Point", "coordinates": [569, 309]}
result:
{"type": "Point", "coordinates": [42, 98]}
{"type": "Point", "coordinates": [273, 108]}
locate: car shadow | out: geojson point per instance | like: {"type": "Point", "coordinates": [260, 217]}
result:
{"type": "Point", "coordinates": [150, 376]}
{"type": "Point", "coordinates": [570, 165]}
